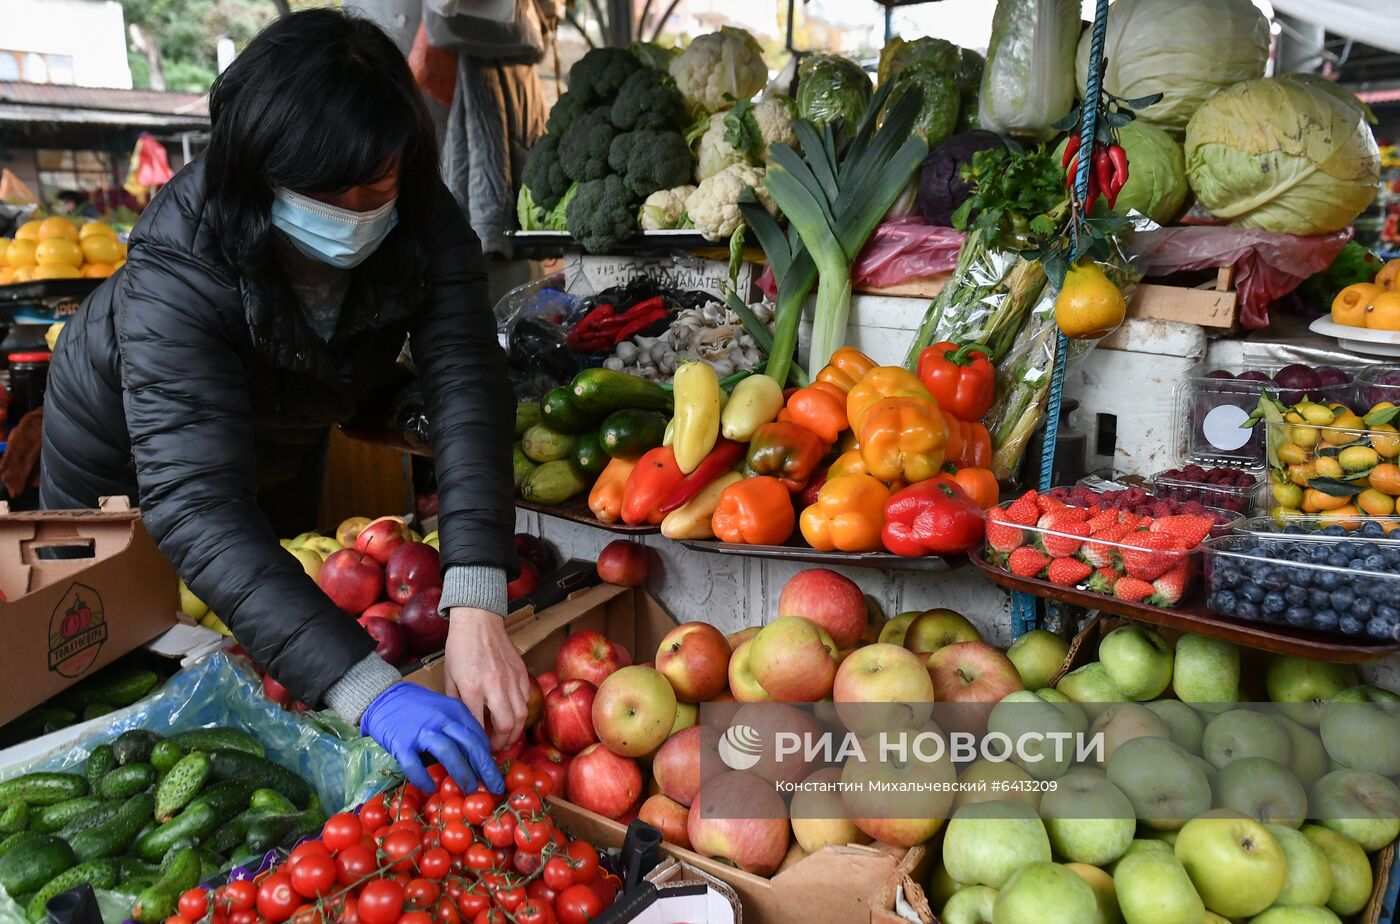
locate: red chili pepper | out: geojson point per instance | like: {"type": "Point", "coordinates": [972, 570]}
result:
{"type": "Point", "coordinates": [638, 324]}
{"type": "Point", "coordinates": [1073, 169]}
{"type": "Point", "coordinates": [1071, 148]}
{"type": "Point", "coordinates": [1103, 174]}
{"type": "Point", "coordinates": [1119, 159]}
{"type": "Point", "coordinates": [720, 460]}
{"type": "Point", "coordinates": [1089, 199]}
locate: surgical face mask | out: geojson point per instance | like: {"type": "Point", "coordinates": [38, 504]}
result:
{"type": "Point", "coordinates": [332, 235]}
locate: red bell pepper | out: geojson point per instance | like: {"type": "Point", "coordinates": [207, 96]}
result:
{"type": "Point", "coordinates": [720, 460]}
{"type": "Point", "coordinates": [960, 378]}
{"type": "Point", "coordinates": [931, 518]}
{"type": "Point", "coordinates": [653, 478]}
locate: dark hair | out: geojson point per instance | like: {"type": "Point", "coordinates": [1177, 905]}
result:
{"type": "Point", "coordinates": [318, 102]}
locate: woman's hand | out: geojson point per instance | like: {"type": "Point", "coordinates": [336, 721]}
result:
{"type": "Point", "coordinates": [484, 670]}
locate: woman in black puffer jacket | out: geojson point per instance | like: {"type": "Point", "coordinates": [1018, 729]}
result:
{"type": "Point", "coordinates": [268, 292]}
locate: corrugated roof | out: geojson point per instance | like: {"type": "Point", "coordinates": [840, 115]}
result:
{"type": "Point", "coordinates": [191, 106]}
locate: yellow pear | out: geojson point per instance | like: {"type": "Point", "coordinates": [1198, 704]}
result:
{"type": "Point", "coordinates": [191, 605]}
{"type": "Point", "coordinates": [1089, 305]}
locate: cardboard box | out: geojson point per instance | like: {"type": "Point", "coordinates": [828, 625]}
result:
{"type": "Point", "coordinates": [65, 618]}
{"type": "Point", "coordinates": [677, 891]}
{"type": "Point", "coordinates": [835, 885]}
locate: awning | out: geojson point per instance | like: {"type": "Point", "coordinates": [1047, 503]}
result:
{"type": "Point", "coordinates": [1373, 22]}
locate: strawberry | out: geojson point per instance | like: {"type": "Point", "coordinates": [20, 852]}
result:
{"type": "Point", "coordinates": [1045, 503]}
{"type": "Point", "coordinates": [1023, 511]}
{"type": "Point", "coordinates": [1101, 520]}
{"type": "Point", "coordinates": [1190, 529]}
{"type": "Point", "coordinates": [1027, 561]}
{"type": "Point", "coordinates": [1132, 590]}
{"type": "Point", "coordinates": [1168, 588]}
{"type": "Point", "coordinates": [1063, 534]}
{"type": "Point", "coordinates": [1129, 519]}
{"type": "Point", "coordinates": [1147, 555]}
{"type": "Point", "coordinates": [1002, 534]}
{"type": "Point", "coordinates": [1102, 545]}
{"type": "Point", "coordinates": [1068, 571]}
{"type": "Point", "coordinates": [1104, 580]}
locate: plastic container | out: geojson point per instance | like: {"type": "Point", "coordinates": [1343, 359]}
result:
{"type": "Point", "coordinates": [1376, 384]}
{"type": "Point", "coordinates": [1333, 472]}
{"type": "Point", "coordinates": [1238, 500]}
{"type": "Point", "coordinates": [1308, 524]}
{"type": "Point", "coordinates": [1139, 499]}
{"type": "Point", "coordinates": [1346, 586]}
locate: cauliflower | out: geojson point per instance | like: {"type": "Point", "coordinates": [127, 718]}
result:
{"type": "Point", "coordinates": [743, 134]}
{"type": "Point", "coordinates": [664, 209]}
{"type": "Point", "coordinates": [725, 62]}
{"type": "Point", "coordinates": [714, 206]}
{"type": "Point", "coordinates": [715, 152]}
{"type": "Point", "coordinates": [774, 116]}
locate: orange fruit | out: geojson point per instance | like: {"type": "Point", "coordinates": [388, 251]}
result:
{"type": "Point", "coordinates": [7, 275]}
{"type": "Point", "coordinates": [1313, 499]}
{"type": "Point", "coordinates": [95, 228]}
{"type": "Point", "coordinates": [23, 274]}
{"type": "Point", "coordinates": [56, 271]}
{"type": "Point", "coordinates": [58, 251]}
{"type": "Point", "coordinates": [1384, 312]}
{"type": "Point", "coordinates": [1300, 473]}
{"type": "Point", "coordinates": [1386, 277]}
{"type": "Point", "coordinates": [20, 253]}
{"type": "Point", "coordinates": [29, 231]}
{"type": "Point", "coordinates": [1349, 307]}
{"type": "Point", "coordinates": [1385, 440]}
{"type": "Point", "coordinates": [99, 248]}
{"type": "Point", "coordinates": [98, 270]}
{"type": "Point", "coordinates": [4, 246]}
{"type": "Point", "coordinates": [57, 226]}
{"type": "Point", "coordinates": [1347, 516]}
{"type": "Point", "coordinates": [1375, 503]}
{"type": "Point", "coordinates": [1386, 478]}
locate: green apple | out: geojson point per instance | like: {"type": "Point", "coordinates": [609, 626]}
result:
{"type": "Point", "coordinates": [310, 561]}
{"type": "Point", "coordinates": [1263, 790]}
{"type": "Point", "coordinates": [892, 632]}
{"type": "Point", "coordinates": [1241, 733]}
{"type": "Point", "coordinates": [1089, 820]}
{"type": "Point", "coordinates": [1046, 893]}
{"type": "Point", "coordinates": [1309, 879]}
{"type": "Point", "coordinates": [1121, 723]}
{"type": "Point", "coordinates": [1149, 844]}
{"type": "Point", "coordinates": [1308, 758]}
{"type": "Point", "coordinates": [1305, 685]}
{"type": "Point", "coordinates": [1207, 768]}
{"type": "Point", "coordinates": [941, 886]}
{"type": "Point", "coordinates": [1052, 695]}
{"type": "Point", "coordinates": [431, 539]}
{"type": "Point", "coordinates": [1296, 915]}
{"type": "Point", "coordinates": [302, 538]}
{"type": "Point", "coordinates": [1351, 869]}
{"type": "Point", "coordinates": [1038, 656]}
{"type": "Point", "coordinates": [939, 628]}
{"type": "Point", "coordinates": [1102, 884]}
{"type": "Point", "coordinates": [1183, 723]}
{"type": "Point", "coordinates": [1236, 865]}
{"type": "Point", "coordinates": [978, 782]}
{"type": "Point", "coordinates": [1153, 888]}
{"type": "Point", "coordinates": [1361, 729]}
{"type": "Point", "coordinates": [1138, 661]}
{"type": "Point", "coordinates": [970, 905]}
{"type": "Point", "coordinates": [1022, 713]}
{"type": "Point", "coordinates": [1164, 783]}
{"type": "Point", "coordinates": [1212, 918]}
{"type": "Point", "coordinates": [988, 841]}
{"type": "Point", "coordinates": [191, 605]}
{"type": "Point", "coordinates": [1364, 806]}
{"type": "Point", "coordinates": [1091, 687]}
{"type": "Point", "coordinates": [323, 545]}
{"type": "Point", "coordinates": [1206, 670]}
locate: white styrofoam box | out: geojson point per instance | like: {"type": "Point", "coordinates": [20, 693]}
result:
{"type": "Point", "coordinates": [880, 326]}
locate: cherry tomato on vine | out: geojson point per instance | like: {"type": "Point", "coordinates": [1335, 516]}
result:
{"type": "Point", "coordinates": [519, 776]}
{"type": "Point", "coordinates": [435, 863]}
{"type": "Point", "coordinates": [585, 861]}
{"type": "Point", "coordinates": [307, 914]}
{"type": "Point", "coordinates": [532, 913]}
{"type": "Point", "coordinates": [480, 857]}
{"type": "Point", "coordinates": [577, 904]}
{"type": "Point", "coordinates": [499, 832]}
{"type": "Point", "coordinates": [477, 808]}
{"type": "Point", "coordinates": [346, 910]}
{"type": "Point", "coordinates": [243, 916]}
{"type": "Point", "coordinates": [445, 912]}
{"type": "Point", "coordinates": [314, 875]}
{"type": "Point", "coordinates": [604, 889]}
{"type": "Point", "coordinates": [412, 825]}
{"type": "Point", "coordinates": [178, 919]}
{"type": "Point", "coordinates": [341, 831]}
{"type": "Point", "coordinates": [381, 902]}
{"type": "Point", "coordinates": [511, 898]}
{"type": "Point", "coordinates": [491, 916]}
{"type": "Point", "coordinates": [526, 864]}
{"type": "Point", "coordinates": [276, 897]}
{"type": "Point", "coordinates": [421, 893]}
{"type": "Point", "coordinates": [502, 857]}
{"type": "Point", "coordinates": [472, 902]}
{"type": "Point", "coordinates": [452, 809]}
{"type": "Point", "coordinates": [525, 801]}
{"type": "Point", "coordinates": [354, 863]}
{"type": "Point", "coordinates": [558, 873]}
{"type": "Point", "coordinates": [240, 894]}
{"type": "Point", "coordinates": [448, 787]}
{"type": "Point", "coordinates": [531, 836]}
{"type": "Point", "coordinates": [540, 893]}
{"type": "Point", "coordinates": [416, 917]}
{"type": "Point", "coordinates": [456, 838]}
{"type": "Point", "coordinates": [193, 904]}
{"type": "Point", "coordinates": [374, 814]}
{"type": "Point", "coordinates": [399, 849]}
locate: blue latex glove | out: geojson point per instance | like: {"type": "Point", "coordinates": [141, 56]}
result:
{"type": "Point", "coordinates": [408, 720]}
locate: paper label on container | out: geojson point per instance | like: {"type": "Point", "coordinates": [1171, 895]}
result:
{"type": "Point", "coordinates": [1224, 427]}
{"type": "Point", "coordinates": [586, 275]}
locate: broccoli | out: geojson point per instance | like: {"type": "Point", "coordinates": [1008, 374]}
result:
{"type": "Point", "coordinates": [583, 151]}
{"type": "Point", "coordinates": [533, 217]}
{"type": "Point", "coordinates": [648, 100]}
{"type": "Point", "coordinates": [650, 159]}
{"type": "Point", "coordinates": [599, 74]}
{"type": "Point", "coordinates": [543, 175]}
{"type": "Point", "coordinates": [600, 215]}
{"type": "Point", "coordinates": [568, 108]}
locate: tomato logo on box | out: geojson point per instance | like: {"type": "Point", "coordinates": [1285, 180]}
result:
{"type": "Point", "coordinates": [77, 629]}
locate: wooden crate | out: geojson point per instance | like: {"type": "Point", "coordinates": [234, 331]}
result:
{"type": "Point", "coordinates": [1212, 304]}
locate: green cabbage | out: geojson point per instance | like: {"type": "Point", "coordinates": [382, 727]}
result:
{"type": "Point", "coordinates": [534, 217]}
{"type": "Point", "coordinates": [1187, 50]}
{"type": "Point", "coordinates": [832, 90]}
{"type": "Point", "coordinates": [1028, 80]}
{"type": "Point", "coordinates": [933, 53]}
{"type": "Point", "coordinates": [1156, 184]}
{"type": "Point", "coordinates": [1281, 155]}
{"type": "Point", "coordinates": [938, 104]}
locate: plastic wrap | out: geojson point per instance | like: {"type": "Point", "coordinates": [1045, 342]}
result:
{"type": "Point", "coordinates": [1267, 265]}
{"type": "Point", "coordinates": [903, 250]}
{"type": "Point", "coordinates": [1028, 80]}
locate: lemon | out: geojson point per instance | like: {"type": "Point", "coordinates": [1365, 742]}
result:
{"type": "Point", "coordinates": [1358, 458]}
{"type": "Point", "coordinates": [98, 270]}
{"type": "Point", "coordinates": [20, 253]}
{"type": "Point", "coordinates": [58, 251]}
{"type": "Point", "coordinates": [96, 228]}
{"type": "Point", "coordinates": [55, 271]}
{"type": "Point", "coordinates": [4, 246]}
{"type": "Point", "coordinates": [29, 231]}
{"type": "Point", "coordinates": [1316, 414]}
{"type": "Point", "coordinates": [54, 227]}
{"type": "Point", "coordinates": [99, 248]}
{"type": "Point", "coordinates": [1089, 306]}
{"type": "Point", "coordinates": [1287, 495]}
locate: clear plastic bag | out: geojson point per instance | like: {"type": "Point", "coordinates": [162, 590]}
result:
{"type": "Point", "coordinates": [903, 250]}
{"type": "Point", "coordinates": [1028, 80]}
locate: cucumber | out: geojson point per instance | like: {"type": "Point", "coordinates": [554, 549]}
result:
{"type": "Point", "coordinates": [226, 798]}
{"type": "Point", "coordinates": [130, 866]}
{"type": "Point", "coordinates": [135, 885]}
{"type": "Point", "coordinates": [196, 821]}
{"type": "Point", "coordinates": [126, 781]}
{"type": "Point", "coordinates": [210, 863]}
{"type": "Point", "coordinates": [521, 464]}
{"type": "Point", "coordinates": [43, 788]}
{"type": "Point", "coordinates": [100, 874]}
{"type": "Point", "coordinates": [42, 858]}
{"type": "Point", "coordinates": [98, 816]}
{"type": "Point", "coordinates": [134, 746]}
{"type": "Point", "coordinates": [116, 834]}
{"type": "Point", "coordinates": [10, 842]}
{"type": "Point", "coordinates": [262, 773]}
{"type": "Point", "coordinates": [527, 414]}
{"type": "Point", "coordinates": [41, 720]}
{"type": "Point", "coordinates": [269, 831]}
{"type": "Point", "coordinates": [100, 762]}
{"type": "Point", "coordinates": [14, 818]}
{"type": "Point", "coordinates": [562, 415]}
{"type": "Point", "coordinates": [181, 785]}
{"type": "Point", "coordinates": [111, 688]}
{"type": "Point", "coordinates": [542, 444]}
{"type": "Point", "coordinates": [219, 739]}
{"type": "Point", "coordinates": [553, 483]}
{"type": "Point", "coordinates": [602, 391]}
{"type": "Point", "coordinates": [589, 456]}
{"type": "Point", "coordinates": [165, 755]}
{"type": "Point", "coordinates": [97, 711]}
{"type": "Point", "coordinates": [55, 817]}
{"type": "Point", "coordinates": [630, 432]}
{"type": "Point", "coordinates": [157, 902]}
{"type": "Point", "coordinates": [270, 800]}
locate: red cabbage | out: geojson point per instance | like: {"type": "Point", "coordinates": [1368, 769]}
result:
{"type": "Point", "coordinates": [941, 186]}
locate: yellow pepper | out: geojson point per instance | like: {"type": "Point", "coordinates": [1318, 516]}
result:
{"type": "Point", "coordinates": [697, 414]}
{"type": "Point", "coordinates": [605, 499]}
{"type": "Point", "coordinates": [851, 462]}
{"type": "Point", "coordinates": [691, 520]}
{"type": "Point", "coordinates": [848, 515]}
{"type": "Point", "coordinates": [902, 438]}
{"type": "Point", "coordinates": [756, 401]}
{"type": "Point", "coordinates": [880, 383]}
{"type": "Point", "coordinates": [847, 367]}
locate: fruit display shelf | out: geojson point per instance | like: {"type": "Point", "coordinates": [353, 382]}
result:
{"type": "Point", "coordinates": [47, 291]}
{"type": "Point", "coordinates": [884, 560]}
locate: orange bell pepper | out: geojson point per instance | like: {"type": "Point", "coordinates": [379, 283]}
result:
{"type": "Point", "coordinates": [880, 383]}
{"type": "Point", "coordinates": [977, 483]}
{"type": "Point", "coordinates": [852, 462]}
{"type": "Point", "coordinates": [848, 515]}
{"type": "Point", "coordinates": [969, 444]}
{"type": "Point", "coordinates": [846, 368]}
{"type": "Point", "coordinates": [755, 511]}
{"type": "Point", "coordinates": [902, 438]}
{"type": "Point", "coordinates": [605, 500]}
{"type": "Point", "coordinates": [820, 407]}
{"type": "Point", "coordinates": [653, 478]}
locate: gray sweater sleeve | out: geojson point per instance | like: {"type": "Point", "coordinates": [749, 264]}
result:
{"type": "Point", "coordinates": [351, 695]}
{"type": "Point", "coordinates": [481, 587]}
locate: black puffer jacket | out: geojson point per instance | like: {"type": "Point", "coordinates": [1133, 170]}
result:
{"type": "Point", "coordinates": [182, 383]}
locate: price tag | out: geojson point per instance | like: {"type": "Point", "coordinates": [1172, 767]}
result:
{"type": "Point", "coordinates": [586, 275]}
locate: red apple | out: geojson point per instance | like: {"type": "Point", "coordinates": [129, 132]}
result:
{"type": "Point", "coordinates": [695, 658]}
{"type": "Point", "coordinates": [602, 782]}
{"type": "Point", "coordinates": [275, 691]}
{"type": "Point", "coordinates": [970, 672]}
{"type": "Point", "coordinates": [740, 818]}
{"type": "Point", "coordinates": [623, 563]}
{"type": "Point", "coordinates": [590, 656]}
{"type": "Point", "coordinates": [885, 674]}
{"type": "Point", "coordinates": [353, 581]}
{"type": "Point", "coordinates": [381, 537]}
{"type": "Point", "coordinates": [794, 660]}
{"type": "Point", "coordinates": [536, 551]}
{"type": "Point", "coordinates": [768, 721]}
{"type": "Point", "coordinates": [534, 703]}
{"type": "Point", "coordinates": [524, 583]}
{"type": "Point", "coordinates": [830, 600]}
{"type": "Point", "coordinates": [547, 760]}
{"type": "Point", "coordinates": [742, 684]}
{"type": "Point", "coordinates": [385, 609]}
{"type": "Point", "coordinates": [349, 530]}
{"type": "Point", "coordinates": [423, 623]}
{"type": "Point", "coordinates": [388, 637]}
{"type": "Point", "coordinates": [669, 817]}
{"type": "Point", "coordinates": [547, 681]}
{"type": "Point", "coordinates": [412, 567]}
{"type": "Point", "coordinates": [568, 716]}
{"type": "Point", "coordinates": [679, 763]}
{"type": "Point", "coordinates": [634, 711]}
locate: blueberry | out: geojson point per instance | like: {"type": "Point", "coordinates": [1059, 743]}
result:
{"type": "Point", "coordinates": [1347, 548]}
{"type": "Point", "coordinates": [1319, 554]}
{"type": "Point", "coordinates": [1221, 601]}
{"type": "Point", "coordinates": [1380, 628]}
{"type": "Point", "coordinates": [1350, 625]}
{"type": "Point", "coordinates": [1374, 562]}
{"type": "Point", "coordinates": [1225, 576]}
{"type": "Point", "coordinates": [1338, 560]}
{"type": "Point", "coordinates": [1356, 564]}
{"type": "Point", "coordinates": [1251, 592]}
{"type": "Point", "coordinates": [1296, 595]}
{"type": "Point", "coordinates": [1381, 591]}
{"type": "Point", "coordinates": [1364, 607]}
{"type": "Point", "coordinates": [1275, 579]}
{"type": "Point", "coordinates": [1332, 531]}
{"type": "Point", "coordinates": [1274, 603]}
{"type": "Point", "coordinates": [1325, 621]}
{"type": "Point", "coordinates": [1387, 611]}
{"type": "Point", "coordinates": [1320, 599]}
{"type": "Point", "coordinates": [1297, 616]}
{"type": "Point", "coordinates": [1343, 599]}
{"type": "Point", "coordinates": [1246, 610]}
{"type": "Point", "coordinates": [1372, 529]}
{"type": "Point", "coordinates": [1327, 580]}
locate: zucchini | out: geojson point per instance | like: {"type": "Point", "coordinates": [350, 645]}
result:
{"type": "Point", "coordinates": [181, 785]}
{"type": "Point", "coordinates": [43, 788]}
{"type": "Point", "coordinates": [270, 800]}
{"type": "Point", "coordinates": [521, 465]}
{"type": "Point", "coordinates": [100, 874]}
{"type": "Point", "coordinates": [527, 414]}
{"type": "Point", "coordinates": [602, 391]}
{"type": "Point", "coordinates": [98, 816]}
{"type": "Point", "coordinates": [134, 746]}
{"type": "Point", "coordinates": [562, 415]}
{"type": "Point", "coordinates": [542, 444]}
{"type": "Point", "coordinates": [630, 432]}
{"type": "Point", "coordinates": [14, 818]}
{"type": "Point", "coordinates": [589, 456]}
{"type": "Point", "coordinates": [55, 817]}
{"type": "Point", "coordinates": [262, 773]}
{"type": "Point", "coordinates": [42, 858]}
{"type": "Point", "coordinates": [111, 689]}
{"type": "Point", "coordinates": [157, 902]}
{"type": "Point", "coordinates": [126, 781]}
{"type": "Point", "coordinates": [165, 755]}
{"type": "Point", "coordinates": [115, 835]}
{"type": "Point", "coordinates": [100, 762]}
{"type": "Point", "coordinates": [219, 739]}
{"type": "Point", "coordinates": [554, 482]}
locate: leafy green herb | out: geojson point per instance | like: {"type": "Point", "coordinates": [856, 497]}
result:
{"type": "Point", "coordinates": [741, 131]}
{"type": "Point", "coordinates": [1013, 194]}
